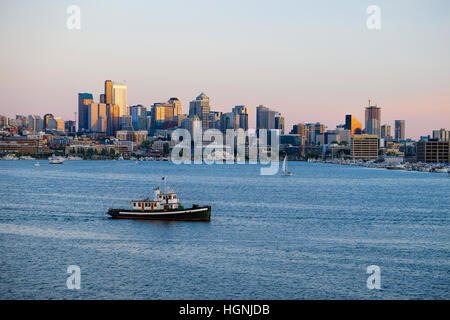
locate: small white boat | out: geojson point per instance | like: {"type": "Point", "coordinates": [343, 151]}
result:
{"type": "Point", "coordinates": [284, 170]}
{"type": "Point", "coordinates": [36, 164]}
{"type": "Point", "coordinates": [55, 160]}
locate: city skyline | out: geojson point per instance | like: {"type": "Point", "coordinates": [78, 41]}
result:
{"type": "Point", "coordinates": [252, 54]}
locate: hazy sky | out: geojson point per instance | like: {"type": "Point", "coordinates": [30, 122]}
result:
{"type": "Point", "coordinates": [310, 60]}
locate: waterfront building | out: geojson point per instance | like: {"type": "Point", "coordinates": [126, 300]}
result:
{"type": "Point", "coordinates": [84, 99]}
{"type": "Point", "coordinates": [112, 119]}
{"type": "Point", "coordinates": [352, 124]}
{"type": "Point", "coordinates": [441, 135]}
{"type": "Point", "coordinates": [400, 130]}
{"type": "Point", "coordinates": [433, 150]}
{"type": "Point", "coordinates": [200, 107]}
{"type": "Point", "coordinates": [373, 120]}
{"type": "Point", "coordinates": [265, 118]}
{"type": "Point", "coordinates": [338, 135]}
{"type": "Point", "coordinates": [364, 147]}
{"type": "Point", "coordinates": [135, 136]}
{"type": "Point", "coordinates": [23, 145]}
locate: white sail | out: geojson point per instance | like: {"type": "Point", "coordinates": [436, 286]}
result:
{"type": "Point", "coordinates": [284, 165]}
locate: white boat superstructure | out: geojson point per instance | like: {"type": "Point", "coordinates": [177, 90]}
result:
{"type": "Point", "coordinates": [161, 201]}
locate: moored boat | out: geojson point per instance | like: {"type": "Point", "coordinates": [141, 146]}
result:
{"type": "Point", "coordinates": [164, 206]}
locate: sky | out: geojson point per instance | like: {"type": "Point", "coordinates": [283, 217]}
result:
{"type": "Point", "coordinates": [313, 61]}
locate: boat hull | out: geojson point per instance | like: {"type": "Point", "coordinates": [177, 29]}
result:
{"type": "Point", "coordinates": [191, 214]}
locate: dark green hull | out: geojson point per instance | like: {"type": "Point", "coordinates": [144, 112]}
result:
{"type": "Point", "coordinates": [191, 214]}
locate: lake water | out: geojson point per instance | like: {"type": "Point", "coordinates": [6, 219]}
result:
{"type": "Point", "coordinates": [309, 236]}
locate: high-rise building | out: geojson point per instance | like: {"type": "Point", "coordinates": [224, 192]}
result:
{"type": "Point", "coordinates": [265, 118]}
{"type": "Point", "coordinates": [160, 113]}
{"type": "Point", "coordinates": [46, 119]}
{"type": "Point", "coordinates": [441, 135]}
{"type": "Point", "coordinates": [70, 126]}
{"type": "Point", "coordinates": [97, 118]}
{"type": "Point", "coordinates": [364, 146]}
{"type": "Point", "coordinates": [176, 104]}
{"type": "Point", "coordinates": [279, 122]}
{"type": "Point", "coordinates": [241, 116]}
{"type": "Point", "coordinates": [193, 124]}
{"type": "Point", "coordinates": [35, 123]}
{"type": "Point", "coordinates": [112, 119]}
{"type": "Point", "coordinates": [108, 95]}
{"type": "Point", "coordinates": [56, 123]}
{"type": "Point", "coordinates": [3, 121]}
{"type": "Point", "coordinates": [200, 107]}
{"type": "Point", "coordinates": [386, 132]}
{"type": "Point", "coordinates": [119, 97]}
{"type": "Point", "coordinates": [352, 124]}
{"type": "Point", "coordinates": [84, 99]}
{"type": "Point", "coordinates": [399, 130]}
{"type": "Point", "coordinates": [433, 151]}
{"type": "Point", "coordinates": [227, 121]}
{"type": "Point", "coordinates": [138, 115]}
{"type": "Point", "coordinates": [373, 120]}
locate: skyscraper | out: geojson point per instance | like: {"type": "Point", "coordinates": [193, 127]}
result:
{"type": "Point", "coordinates": [97, 119]}
{"type": "Point", "coordinates": [373, 120]}
{"type": "Point", "coordinates": [352, 124]}
{"type": "Point", "coordinates": [399, 130]}
{"type": "Point", "coordinates": [386, 131]}
{"type": "Point", "coordinates": [200, 107]}
{"type": "Point", "coordinates": [265, 118]}
{"type": "Point", "coordinates": [119, 97]}
{"type": "Point", "coordinates": [241, 117]}
{"type": "Point", "coordinates": [176, 104]}
{"type": "Point", "coordinates": [279, 122]}
{"type": "Point", "coordinates": [84, 99]}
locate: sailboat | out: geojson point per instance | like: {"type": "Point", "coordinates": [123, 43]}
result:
{"type": "Point", "coordinates": [285, 172]}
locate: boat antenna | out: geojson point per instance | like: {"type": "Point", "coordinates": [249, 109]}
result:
{"type": "Point", "coordinates": [164, 179]}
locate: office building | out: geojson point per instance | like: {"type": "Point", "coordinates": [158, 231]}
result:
{"type": "Point", "coordinates": [176, 104]}
{"type": "Point", "coordinates": [3, 121]}
{"type": "Point", "coordinates": [386, 132]}
{"type": "Point", "coordinates": [364, 146]}
{"type": "Point", "coordinates": [84, 99]}
{"type": "Point", "coordinates": [352, 124]}
{"type": "Point", "coordinates": [400, 130]}
{"type": "Point", "coordinates": [241, 117]}
{"type": "Point", "coordinates": [119, 97]}
{"type": "Point", "coordinates": [200, 107]}
{"type": "Point", "coordinates": [441, 135]}
{"type": "Point", "coordinates": [56, 123]}
{"type": "Point", "coordinates": [373, 120]}
{"type": "Point", "coordinates": [433, 150]}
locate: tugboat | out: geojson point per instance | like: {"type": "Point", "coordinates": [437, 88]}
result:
{"type": "Point", "coordinates": [164, 206]}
